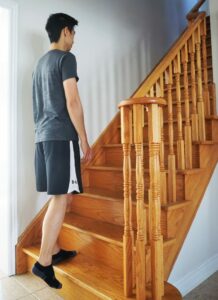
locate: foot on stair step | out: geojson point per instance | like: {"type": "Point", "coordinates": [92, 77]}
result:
{"type": "Point", "coordinates": [62, 255]}
{"type": "Point", "coordinates": [46, 273]}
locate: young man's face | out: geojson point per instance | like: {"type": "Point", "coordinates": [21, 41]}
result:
{"type": "Point", "coordinates": [69, 38]}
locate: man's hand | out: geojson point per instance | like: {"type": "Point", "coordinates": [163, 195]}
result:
{"type": "Point", "coordinates": [87, 152]}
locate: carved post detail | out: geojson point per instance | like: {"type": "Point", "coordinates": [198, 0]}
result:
{"type": "Point", "coordinates": [200, 103]}
{"type": "Point", "coordinates": [188, 138]}
{"type": "Point", "coordinates": [205, 72]}
{"type": "Point", "coordinates": [212, 92]}
{"type": "Point", "coordinates": [180, 141]}
{"type": "Point", "coordinates": [194, 115]}
{"type": "Point", "coordinates": [138, 121]}
{"type": "Point", "coordinates": [163, 178]}
{"type": "Point", "coordinates": [155, 204]}
{"type": "Point", "coordinates": [171, 155]}
{"type": "Point", "coordinates": [128, 238]}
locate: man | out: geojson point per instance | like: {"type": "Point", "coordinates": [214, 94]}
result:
{"type": "Point", "coordinates": [59, 123]}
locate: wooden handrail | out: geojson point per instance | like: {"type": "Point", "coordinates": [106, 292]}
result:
{"type": "Point", "coordinates": [143, 100]}
{"type": "Point", "coordinates": [194, 11]}
{"type": "Point", "coordinates": [168, 58]}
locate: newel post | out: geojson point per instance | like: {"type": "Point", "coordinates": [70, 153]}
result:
{"type": "Point", "coordinates": [128, 238]}
{"type": "Point", "coordinates": [138, 125]}
{"type": "Point", "coordinates": [154, 132]}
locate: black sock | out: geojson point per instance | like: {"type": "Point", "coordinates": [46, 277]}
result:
{"type": "Point", "coordinates": [63, 255]}
{"type": "Point", "coordinates": [47, 274]}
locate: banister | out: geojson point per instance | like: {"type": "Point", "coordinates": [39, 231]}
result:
{"type": "Point", "coordinates": [143, 100]}
{"type": "Point", "coordinates": [195, 10]}
{"type": "Point", "coordinates": [168, 58]}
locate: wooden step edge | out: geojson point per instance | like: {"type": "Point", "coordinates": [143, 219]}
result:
{"type": "Point", "coordinates": [108, 292]}
{"type": "Point", "coordinates": [173, 205]}
{"type": "Point", "coordinates": [176, 205]}
{"type": "Point", "coordinates": [62, 269]}
{"type": "Point", "coordinates": [120, 169]}
{"type": "Point", "coordinates": [207, 118]}
{"type": "Point", "coordinates": [212, 117]}
{"type": "Point", "coordinates": [167, 206]}
{"type": "Point", "coordinates": [98, 196]}
{"type": "Point", "coordinates": [108, 239]}
{"type": "Point", "coordinates": [94, 234]}
{"type": "Point", "coordinates": [207, 142]}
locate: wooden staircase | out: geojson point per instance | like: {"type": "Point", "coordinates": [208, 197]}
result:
{"type": "Point", "coordinates": [97, 223]}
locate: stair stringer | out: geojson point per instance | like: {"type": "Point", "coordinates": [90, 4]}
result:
{"type": "Point", "coordinates": [195, 187]}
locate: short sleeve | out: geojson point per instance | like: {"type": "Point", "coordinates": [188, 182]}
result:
{"type": "Point", "coordinates": [69, 67]}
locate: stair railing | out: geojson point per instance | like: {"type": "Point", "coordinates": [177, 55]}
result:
{"type": "Point", "coordinates": [181, 76]}
{"type": "Point", "coordinates": [132, 132]}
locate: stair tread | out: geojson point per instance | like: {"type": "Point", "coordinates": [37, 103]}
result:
{"type": "Point", "coordinates": [103, 281]}
{"type": "Point", "coordinates": [119, 145]}
{"type": "Point", "coordinates": [118, 196]}
{"type": "Point", "coordinates": [96, 227]}
{"type": "Point", "coordinates": [90, 274]}
{"type": "Point", "coordinates": [118, 169]}
{"type": "Point", "coordinates": [175, 120]}
{"type": "Point", "coordinates": [103, 193]}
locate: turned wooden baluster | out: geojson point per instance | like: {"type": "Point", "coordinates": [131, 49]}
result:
{"type": "Point", "coordinates": [155, 204]}
{"type": "Point", "coordinates": [128, 237]}
{"type": "Point", "coordinates": [171, 155]}
{"type": "Point", "coordinates": [188, 138]}
{"type": "Point", "coordinates": [200, 103]}
{"type": "Point", "coordinates": [212, 92]}
{"type": "Point", "coordinates": [194, 115]}
{"type": "Point", "coordinates": [180, 141]}
{"type": "Point", "coordinates": [205, 72]}
{"type": "Point", "coordinates": [138, 124]}
{"type": "Point", "coordinates": [163, 191]}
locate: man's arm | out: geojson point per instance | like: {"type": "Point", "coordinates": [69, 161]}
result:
{"type": "Point", "coordinates": [75, 110]}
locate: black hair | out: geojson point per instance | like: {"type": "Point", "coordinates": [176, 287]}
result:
{"type": "Point", "coordinates": [55, 24]}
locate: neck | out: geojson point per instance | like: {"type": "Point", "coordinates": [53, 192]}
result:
{"type": "Point", "coordinates": [57, 46]}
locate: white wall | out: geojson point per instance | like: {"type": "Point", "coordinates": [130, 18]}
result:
{"type": "Point", "coordinates": [198, 258]}
{"type": "Point", "coordinates": [117, 43]}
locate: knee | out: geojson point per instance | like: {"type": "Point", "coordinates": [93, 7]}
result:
{"type": "Point", "coordinates": [61, 200]}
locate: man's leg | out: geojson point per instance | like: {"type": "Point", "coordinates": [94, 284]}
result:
{"type": "Point", "coordinates": [52, 224]}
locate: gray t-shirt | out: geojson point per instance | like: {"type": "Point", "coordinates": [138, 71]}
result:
{"type": "Point", "coordinates": [52, 121]}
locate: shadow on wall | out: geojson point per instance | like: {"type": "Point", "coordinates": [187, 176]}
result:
{"type": "Point", "coordinates": [36, 47]}
{"type": "Point", "coordinates": [116, 79]}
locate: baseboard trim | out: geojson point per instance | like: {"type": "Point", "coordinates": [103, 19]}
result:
{"type": "Point", "coordinates": [197, 276]}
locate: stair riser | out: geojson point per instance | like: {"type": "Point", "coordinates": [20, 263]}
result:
{"type": "Point", "coordinates": [102, 211]}
{"type": "Point", "coordinates": [210, 75]}
{"type": "Point", "coordinates": [182, 92]}
{"type": "Point", "coordinates": [113, 180]}
{"type": "Point", "coordinates": [165, 110]}
{"type": "Point", "coordinates": [108, 253]}
{"type": "Point", "coordinates": [98, 209]}
{"type": "Point", "coordinates": [74, 291]}
{"type": "Point", "coordinates": [175, 133]}
{"type": "Point", "coordinates": [114, 156]}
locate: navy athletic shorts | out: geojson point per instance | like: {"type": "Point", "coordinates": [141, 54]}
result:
{"type": "Point", "coordinates": [57, 167]}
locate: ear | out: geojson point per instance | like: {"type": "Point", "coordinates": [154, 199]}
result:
{"type": "Point", "coordinates": [65, 30]}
